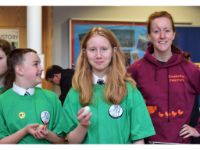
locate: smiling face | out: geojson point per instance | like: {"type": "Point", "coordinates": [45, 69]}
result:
{"type": "Point", "coordinates": [29, 70]}
{"type": "Point", "coordinates": [99, 53]}
{"type": "Point", "coordinates": [161, 34]}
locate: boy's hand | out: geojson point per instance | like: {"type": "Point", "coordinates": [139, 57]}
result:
{"type": "Point", "coordinates": [41, 132]}
{"type": "Point", "coordinates": [31, 129]}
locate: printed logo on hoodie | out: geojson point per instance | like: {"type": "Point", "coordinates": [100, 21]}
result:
{"type": "Point", "coordinates": [166, 114]}
{"type": "Point", "coordinates": [176, 78]}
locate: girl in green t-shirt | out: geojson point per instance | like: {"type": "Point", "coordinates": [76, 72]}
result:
{"type": "Point", "coordinates": [117, 112]}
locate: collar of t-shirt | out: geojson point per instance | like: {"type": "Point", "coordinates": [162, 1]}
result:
{"type": "Point", "coordinates": [96, 78]}
{"type": "Point", "coordinates": [21, 91]}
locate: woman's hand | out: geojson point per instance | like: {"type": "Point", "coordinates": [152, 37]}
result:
{"type": "Point", "coordinates": [188, 131]}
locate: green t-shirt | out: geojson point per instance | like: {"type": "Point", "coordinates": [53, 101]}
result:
{"type": "Point", "coordinates": [134, 124]}
{"type": "Point", "coordinates": [18, 111]}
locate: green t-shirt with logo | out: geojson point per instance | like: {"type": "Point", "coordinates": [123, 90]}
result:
{"type": "Point", "coordinates": [18, 111]}
{"type": "Point", "coordinates": [134, 123]}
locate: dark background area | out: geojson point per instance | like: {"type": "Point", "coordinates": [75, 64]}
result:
{"type": "Point", "coordinates": [188, 39]}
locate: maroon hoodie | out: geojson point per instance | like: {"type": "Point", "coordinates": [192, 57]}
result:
{"type": "Point", "coordinates": [169, 90]}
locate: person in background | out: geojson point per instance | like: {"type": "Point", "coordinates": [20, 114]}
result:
{"type": "Point", "coordinates": [168, 82]}
{"type": "Point", "coordinates": [5, 49]}
{"type": "Point", "coordinates": [28, 114]}
{"type": "Point", "coordinates": [61, 77]}
{"type": "Point", "coordinates": [117, 112]}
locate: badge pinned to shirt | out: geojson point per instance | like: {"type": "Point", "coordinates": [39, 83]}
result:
{"type": "Point", "coordinates": [22, 115]}
{"type": "Point", "coordinates": [115, 111]}
{"type": "Point", "coordinates": [45, 117]}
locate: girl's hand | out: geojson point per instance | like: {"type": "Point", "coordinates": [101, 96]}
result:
{"type": "Point", "coordinates": [188, 131]}
{"type": "Point", "coordinates": [84, 119]}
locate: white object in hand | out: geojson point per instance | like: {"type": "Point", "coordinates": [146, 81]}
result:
{"type": "Point", "coordinates": [86, 110]}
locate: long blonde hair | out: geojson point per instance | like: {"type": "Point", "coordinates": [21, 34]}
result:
{"type": "Point", "coordinates": [115, 88]}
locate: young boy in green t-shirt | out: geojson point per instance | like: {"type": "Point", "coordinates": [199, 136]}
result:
{"type": "Point", "coordinates": [28, 114]}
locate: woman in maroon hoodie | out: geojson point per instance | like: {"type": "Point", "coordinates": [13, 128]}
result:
{"type": "Point", "coordinates": [168, 82]}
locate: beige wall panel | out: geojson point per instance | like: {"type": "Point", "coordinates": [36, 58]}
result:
{"type": "Point", "coordinates": [14, 17]}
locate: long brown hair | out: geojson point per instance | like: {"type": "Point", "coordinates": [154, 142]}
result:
{"type": "Point", "coordinates": [5, 46]}
{"type": "Point", "coordinates": [115, 88]}
{"type": "Point", "coordinates": [14, 58]}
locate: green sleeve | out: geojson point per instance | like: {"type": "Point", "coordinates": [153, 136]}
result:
{"type": "Point", "coordinates": [3, 128]}
{"type": "Point", "coordinates": [59, 120]}
{"type": "Point", "coordinates": [71, 107]}
{"type": "Point", "coordinates": [141, 124]}
{"type": "Point", "coordinates": [58, 115]}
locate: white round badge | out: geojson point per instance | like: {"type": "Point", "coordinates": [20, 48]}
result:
{"type": "Point", "coordinates": [115, 111]}
{"type": "Point", "coordinates": [45, 116]}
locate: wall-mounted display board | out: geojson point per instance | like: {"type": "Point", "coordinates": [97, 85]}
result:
{"type": "Point", "coordinates": [133, 38]}
{"type": "Point", "coordinates": [11, 35]}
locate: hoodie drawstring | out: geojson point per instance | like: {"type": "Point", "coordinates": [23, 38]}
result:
{"type": "Point", "coordinates": [168, 94]}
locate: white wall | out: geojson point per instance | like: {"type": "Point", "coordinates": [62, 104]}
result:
{"type": "Point", "coordinates": [118, 13]}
